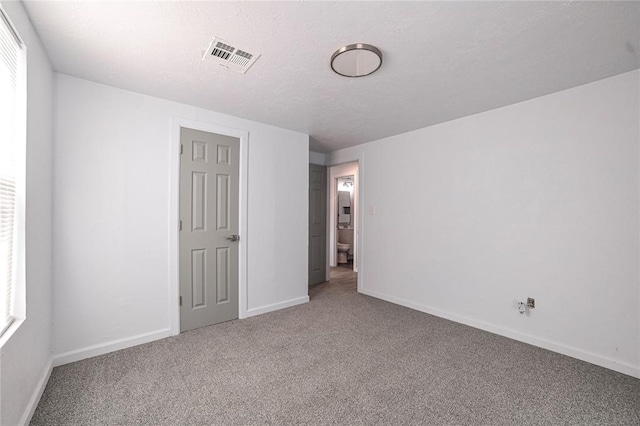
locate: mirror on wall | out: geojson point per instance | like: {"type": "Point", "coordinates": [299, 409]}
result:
{"type": "Point", "coordinates": [345, 201]}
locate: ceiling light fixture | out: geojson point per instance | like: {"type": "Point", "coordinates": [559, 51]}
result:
{"type": "Point", "coordinates": [356, 60]}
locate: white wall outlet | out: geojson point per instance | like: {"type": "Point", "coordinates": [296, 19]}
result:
{"type": "Point", "coordinates": [372, 210]}
{"type": "Point", "coordinates": [522, 307]}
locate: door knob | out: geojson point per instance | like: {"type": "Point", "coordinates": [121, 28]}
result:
{"type": "Point", "coordinates": [234, 238]}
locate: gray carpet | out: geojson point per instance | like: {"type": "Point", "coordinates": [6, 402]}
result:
{"type": "Point", "coordinates": [343, 358]}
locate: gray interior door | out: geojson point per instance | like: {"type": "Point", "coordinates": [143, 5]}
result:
{"type": "Point", "coordinates": [317, 224]}
{"type": "Point", "coordinates": [209, 195]}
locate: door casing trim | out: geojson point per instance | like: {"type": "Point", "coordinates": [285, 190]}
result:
{"type": "Point", "coordinates": [174, 214]}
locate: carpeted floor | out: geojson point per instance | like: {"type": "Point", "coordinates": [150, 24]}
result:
{"type": "Point", "coordinates": [343, 358]}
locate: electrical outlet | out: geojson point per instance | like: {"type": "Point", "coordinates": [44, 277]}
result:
{"type": "Point", "coordinates": [522, 308]}
{"type": "Point", "coordinates": [531, 303]}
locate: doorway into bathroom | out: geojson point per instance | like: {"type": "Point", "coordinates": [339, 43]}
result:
{"type": "Point", "coordinates": [343, 218]}
{"type": "Point", "coordinates": [344, 215]}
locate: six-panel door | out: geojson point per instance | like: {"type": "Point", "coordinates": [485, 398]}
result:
{"type": "Point", "coordinates": [209, 196]}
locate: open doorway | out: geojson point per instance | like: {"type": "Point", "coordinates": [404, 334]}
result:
{"type": "Point", "coordinates": [343, 216]}
{"type": "Point", "coordinates": [345, 211]}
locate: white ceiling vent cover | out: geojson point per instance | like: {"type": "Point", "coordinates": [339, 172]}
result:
{"type": "Point", "coordinates": [224, 54]}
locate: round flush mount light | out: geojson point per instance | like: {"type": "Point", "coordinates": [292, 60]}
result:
{"type": "Point", "coordinates": [356, 60]}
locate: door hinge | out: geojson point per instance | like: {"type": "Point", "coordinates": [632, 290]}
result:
{"type": "Point", "coordinates": [180, 225]}
{"type": "Point", "coordinates": [181, 149]}
{"type": "Point", "coordinates": [180, 300]}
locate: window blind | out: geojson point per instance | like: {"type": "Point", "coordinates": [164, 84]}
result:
{"type": "Point", "coordinates": [9, 67]}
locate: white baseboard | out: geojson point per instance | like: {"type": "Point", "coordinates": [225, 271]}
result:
{"type": "Point", "coordinates": [115, 345]}
{"type": "Point", "coordinates": [624, 368]}
{"type": "Point", "coordinates": [276, 306]}
{"type": "Point", "coordinates": [105, 348]}
{"type": "Point", "coordinates": [37, 394]}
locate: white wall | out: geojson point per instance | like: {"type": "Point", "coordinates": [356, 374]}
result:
{"type": "Point", "coordinates": [112, 215]}
{"type": "Point", "coordinates": [537, 199]}
{"type": "Point", "coordinates": [25, 359]}
{"type": "Point", "coordinates": [317, 158]}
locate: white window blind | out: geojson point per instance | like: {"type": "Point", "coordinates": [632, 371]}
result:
{"type": "Point", "coordinates": [9, 139]}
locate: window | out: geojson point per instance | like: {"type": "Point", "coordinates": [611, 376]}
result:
{"type": "Point", "coordinates": [12, 169]}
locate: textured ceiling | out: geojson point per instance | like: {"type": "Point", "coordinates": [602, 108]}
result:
{"type": "Point", "coordinates": [442, 60]}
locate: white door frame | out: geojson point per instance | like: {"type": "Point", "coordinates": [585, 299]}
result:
{"type": "Point", "coordinates": [174, 213]}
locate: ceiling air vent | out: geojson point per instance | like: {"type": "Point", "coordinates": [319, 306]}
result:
{"type": "Point", "coordinates": [230, 57]}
